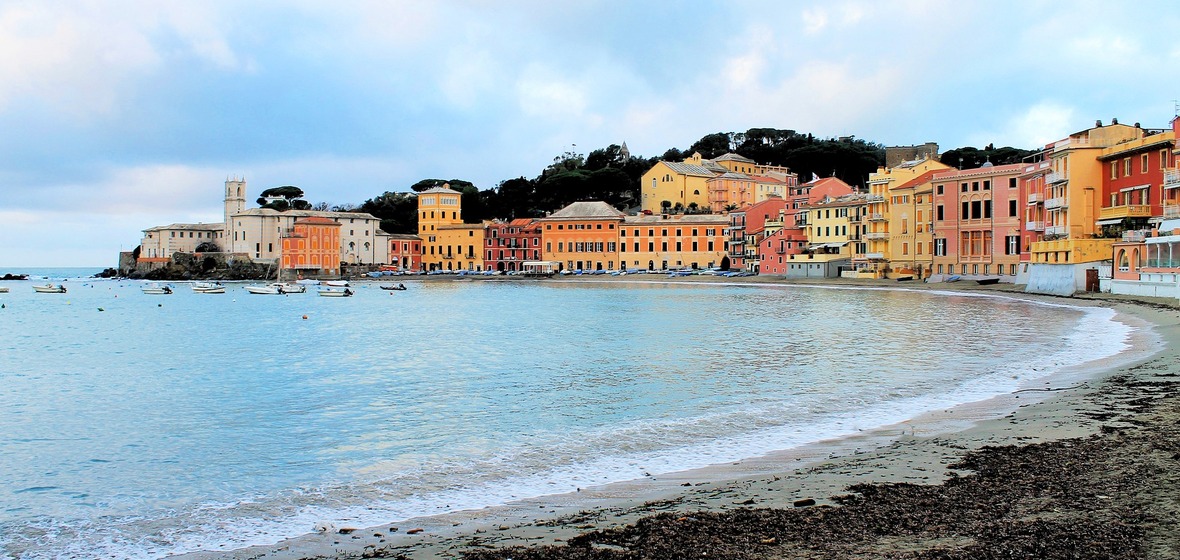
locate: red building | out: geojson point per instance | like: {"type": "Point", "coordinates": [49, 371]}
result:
{"type": "Point", "coordinates": [507, 244]}
{"type": "Point", "coordinates": [775, 250]}
{"type": "Point", "coordinates": [405, 252]}
{"type": "Point", "coordinates": [1132, 181]}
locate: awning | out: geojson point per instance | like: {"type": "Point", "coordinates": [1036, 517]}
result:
{"type": "Point", "coordinates": [1110, 222]}
{"type": "Point", "coordinates": [1135, 188]}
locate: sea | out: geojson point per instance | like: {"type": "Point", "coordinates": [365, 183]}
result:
{"type": "Point", "coordinates": [143, 426]}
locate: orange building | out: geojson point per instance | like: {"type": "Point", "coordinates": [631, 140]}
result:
{"type": "Point", "coordinates": [312, 247]}
{"type": "Point", "coordinates": [582, 236]}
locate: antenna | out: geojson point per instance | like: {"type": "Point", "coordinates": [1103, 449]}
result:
{"type": "Point", "coordinates": [1176, 108]}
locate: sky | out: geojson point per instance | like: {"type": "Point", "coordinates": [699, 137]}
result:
{"type": "Point", "coordinates": [116, 116]}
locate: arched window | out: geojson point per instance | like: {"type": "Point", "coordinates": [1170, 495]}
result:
{"type": "Point", "coordinates": [1124, 262]}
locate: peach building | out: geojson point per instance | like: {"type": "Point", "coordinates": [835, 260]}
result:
{"type": "Point", "coordinates": [876, 227]}
{"type": "Point", "coordinates": [662, 242]}
{"type": "Point", "coordinates": [311, 248]}
{"type": "Point", "coordinates": [582, 236]}
{"type": "Point", "coordinates": [775, 250]}
{"type": "Point", "coordinates": [977, 221]}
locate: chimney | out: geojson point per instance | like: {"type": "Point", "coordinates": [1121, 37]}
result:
{"type": "Point", "coordinates": [1114, 121]}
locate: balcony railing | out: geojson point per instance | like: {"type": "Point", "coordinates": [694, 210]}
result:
{"type": "Point", "coordinates": [1172, 211]}
{"type": "Point", "coordinates": [877, 235]}
{"type": "Point", "coordinates": [874, 198]}
{"type": "Point", "coordinates": [1056, 230]}
{"type": "Point", "coordinates": [1035, 197]}
{"type": "Point", "coordinates": [875, 256]}
{"type": "Point", "coordinates": [1125, 211]}
{"type": "Point", "coordinates": [1134, 236]}
{"type": "Point", "coordinates": [1054, 177]}
{"type": "Point", "coordinates": [1171, 178]}
{"type": "Point", "coordinates": [1058, 202]}
{"type": "Point", "coordinates": [877, 217]}
{"type": "Point", "coordinates": [1035, 225]}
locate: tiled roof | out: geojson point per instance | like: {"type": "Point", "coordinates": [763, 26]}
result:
{"type": "Point", "coordinates": [733, 157]}
{"type": "Point", "coordinates": [195, 227]}
{"type": "Point", "coordinates": [944, 174]}
{"type": "Point", "coordinates": [679, 219]}
{"type": "Point", "coordinates": [692, 169]}
{"type": "Point", "coordinates": [733, 175]}
{"type": "Point", "coordinates": [923, 178]}
{"type": "Point", "coordinates": [587, 210]}
{"type": "Point", "coordinates": [404, 236]}
{"type": "Point", "coordinates": [436, 190]}
{"type": "Point", "coordinates": [317, 220]}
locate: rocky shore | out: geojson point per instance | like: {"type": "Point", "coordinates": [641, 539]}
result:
{"type": "Point", "coordinates": [1073, 469]}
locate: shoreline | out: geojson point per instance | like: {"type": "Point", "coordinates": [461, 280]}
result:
{"type": "Point", "coordinates": [915, 451]}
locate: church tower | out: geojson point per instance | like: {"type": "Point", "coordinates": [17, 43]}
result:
{"type": "Point", "coordinates": [235, 202]}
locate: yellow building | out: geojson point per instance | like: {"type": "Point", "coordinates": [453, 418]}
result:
{"type": "Point", "coordinates": [1073, 196]}
{"type": "Point", "coordinates": [832, 237]}
{"type": "Point", "coordinates": [447, 242]}
{"type": "Point", "coordinates": [911, 235]}
{"type": "Point", "coordinates": [876, 229]}
{"type": "Point", "coordinates": [685, 185]}
{"type": "Point", "coordinates": [671, 242]}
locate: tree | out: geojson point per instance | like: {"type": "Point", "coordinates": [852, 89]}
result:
{"type": "Point", "coordinates": [970, 158]}
{"type": "Point", "coordinates": [665, 205]}
{"type": "Point", "coordinates": [427, 184]}
{"type": "Point", "coordinates": [398, 211]}
{"type": "Point", "coordinates": [283, 198]}
{"type": "Point", "coordinates": [713, 145]}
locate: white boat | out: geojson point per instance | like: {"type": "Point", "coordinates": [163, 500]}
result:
{"type": "Point", "coordinates": [50, 289]}
{"type": "Point", "coordinates": [307, 282]}
{"type": "Point", "coordinates": [290, 288]}
{"type": "Point", "coordinates": [3, 289]}
{"type": "Point", "coordinates": [208, 288]}
{"type": "Point", "coordinates": [156, 289]}
{"type": "Point", "coordinates": [337, 283]}
{"type": "Point", "coordinates": [335, 292]}
{"type": "Point", "coordinates": [271, 290]}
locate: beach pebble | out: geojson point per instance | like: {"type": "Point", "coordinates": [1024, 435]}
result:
{"type": "Point", "coordinates": [347, 530]}
{"type": "Point", "coordinates": [414, 531]}
{"type": "Point", "coordinates": [804, 503]}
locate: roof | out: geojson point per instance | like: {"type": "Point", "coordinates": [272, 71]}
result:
{"type": "Point", "coordinates": [693, 169]}
{"type": "Point", "coordinates": [733, 175]}
{"type": "Point", "coordinates": [305, 213]}
{"type": "Point", "coordinates": [1008, 168]}
{"type": "Point", "coordinates": [317, 220]}
{"type": "Point", "coordinates": [404, 236]}
{"type": "Point", "coordinates": [194, 227]}
{"type": "Point", "coordinates": [679, 219]}
{"type": "Point", "coordinates": [847, 200]}
{"type": "Point", "coordinates": [920, 179]}
{"type": "Point", "coordinates": [586, 210]}
{"type": "Point", "coordinates": [733, 157]}
{"type": "Point", "coordinates": [520, 222]}
{"type": "Point", "coordinates": [437, 190]}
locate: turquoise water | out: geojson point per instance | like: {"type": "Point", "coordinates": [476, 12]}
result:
{"type": "Point", "coordinates": [142, 426]}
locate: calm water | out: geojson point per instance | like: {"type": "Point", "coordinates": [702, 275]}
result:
{"type": "Point", "coordinates": [167, 424]}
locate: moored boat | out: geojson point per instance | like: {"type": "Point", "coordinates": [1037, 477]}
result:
{"type": "Point", "coordinates": [3, 289]}
{"type": "Point", "coordinates": [987, 281]}
{"type": "Point", "coordinates": [156, 289]}
{"type": "Point", "coordinates": [337, 283]}
{"type": "Point", "coordinates": [291, 288]}
{"type": "Point", "coordinates": [396, 288]}
{"type": "Point", "coordinates": [50, 289]}
{"type": "Point", "coordinates": [208, 288]}
{"type": "Point", "coordinates": [335, 292]}
{"type": "Point", "coordinates": [271, 290]}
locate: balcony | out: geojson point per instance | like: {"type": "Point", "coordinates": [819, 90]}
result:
{"type": "Point", "coordinates": [877, 235]}
{"type": "Point", "coordinates": [878, 217]}
{"type": "Point", "coordinates": [1172, 211]}
{"type": "Point", "coordinates": [1035, 197]}
{"type": "Point", "coordinates": [875, 256]}
{"type": "Point", "coordinates": [1056, 230]}
{"type": "Point", "coordinates": [874, 198]}
{"type": "Point", "coordinates": [1035, 225]}
{"type": "Point", "coordinates": [1054, 177]}
{"type": "Point", "coordinates": [1171, 178]}
{"type": "Point", "coordinates": [1125, 211]}
{"type": "Point", "coordinates": [1134, 236]}
{"type": "Point", "coordinates": [1058, 202]}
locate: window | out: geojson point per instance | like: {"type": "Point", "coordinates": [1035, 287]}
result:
{"type": "Point", "coordinates": [1143, 164]}
{"type": "Point", "coordinates": [1163, 159]}
{"type": "Point", "coordinates": [987, 185]}
{"type": "Point", "coordinates": [1012, 245]}
{"type": "Point", "coordinates": [987, 209]}
{"type": "Point", "coordinates": [974, 185]}
{"type": "Point", "coordinates": [938, 210]}
{"type": "Point", "coordinates": [1126, 167]}
{"type": "Point", "coordinates": [963, 187]}
{"type": "Point", "coordinates": [940, 248]}
{"type": "Point", "coordinates": [939, 189]}
{"type": "Point", "coordinates": [1114, 170]}
{"type": "Point", "coordinates": [1011, 208]}
{"type": "Point", "coordinates": [965, 213]}
{"type": "Point", "coordinates": [1012, 182]}
{"type": "Point", "coordinates": [976, 209]}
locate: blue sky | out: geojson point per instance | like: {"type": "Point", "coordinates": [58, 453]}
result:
{"type": "Point", "coordinates": [116, 116]}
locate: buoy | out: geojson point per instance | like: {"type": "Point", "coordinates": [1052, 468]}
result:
{"type": "Point", "coordinates": [101, 309]}
{"type": "Point", "coordinates": [159, 305]}
{"type": "Point", "coordinates": [305, 317]}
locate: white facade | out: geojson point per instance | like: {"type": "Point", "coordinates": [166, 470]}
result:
{"type": "Point", "coordinates": [161, 241]}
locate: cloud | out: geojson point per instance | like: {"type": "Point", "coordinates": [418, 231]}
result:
{"type": "Point", "coordinates": [1034, 127]}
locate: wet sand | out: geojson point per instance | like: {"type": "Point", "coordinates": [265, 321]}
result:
{"type": "Point", "coordinates": [1085, 465]}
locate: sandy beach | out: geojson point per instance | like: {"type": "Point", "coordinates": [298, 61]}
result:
{"type": "Point", "coordinates": [1083, 465]}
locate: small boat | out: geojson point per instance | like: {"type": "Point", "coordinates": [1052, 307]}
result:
{"type": "Point", "coordinates": [290, 288]}
{"type": "Point", "coordinates": [156, 289]}
{"type": "Point", "coordinates": [337, 283]}
{"type": "Point", "coordinates": [987, 281]}
{"type": "Point", "coordinates": [953, 278]}
{"type": "Point", "coordinates": [335, 292]}
{"type": "Point", "coordinates": [307, 282]}
{"type": "Point", "coordinates": [905, 278]}
{"type": "Point", "coordinates": [50, 289]}
{"type": "Point", "coordinates": [396, 288]}
{"type": "Point", "coordinates": [208, 288]}
{"type": "Point", "coordinates": [270, 290]}
{"type": "Point", "coordinates": [3, 289]}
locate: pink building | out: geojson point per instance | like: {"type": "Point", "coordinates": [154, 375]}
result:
{"type": "Point", "coordinates": [977, 221]}
{"type": "Point", "coordinates": [775, 250]}
{"type": "Point", "coordinates": [508, 244]}
{"type": "Point", "coordinates": [749, 226]}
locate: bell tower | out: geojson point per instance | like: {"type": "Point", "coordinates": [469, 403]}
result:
{"type": "Point", "coordinates": [235, 202]}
